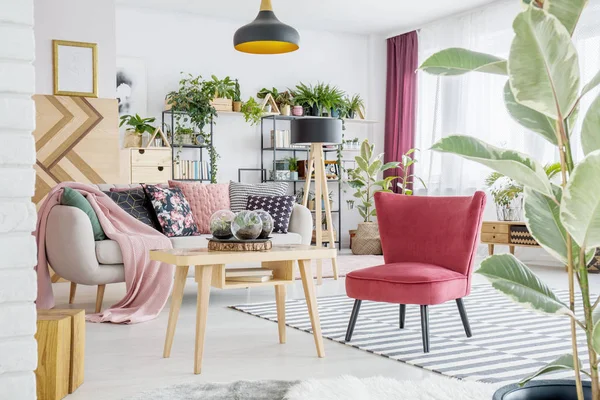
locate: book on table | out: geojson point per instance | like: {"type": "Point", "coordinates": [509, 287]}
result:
{"type": "Point", "coordinates": [246, 272]}
{"type": "Point", "coordinates": [265, 278]}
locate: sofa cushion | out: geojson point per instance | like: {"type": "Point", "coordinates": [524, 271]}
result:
{"type": "Point", "coordinates": [204, 200]}
{"type": "Point", "coordinates": [73, 198]}
{"type": "Point", "coordinates": [137, 204]}
{"type": "Point", "coordinates": [109, 252]}
{"type": "Point", "coordinates": [279, 208]}
{"type": "Point", "coordinates": [239, 192]}
{"type": "Point", "coordinates": [172, 210]}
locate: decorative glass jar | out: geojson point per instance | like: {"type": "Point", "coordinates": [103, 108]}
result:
{"type": "Point", "coordinates": [220, 224]}
{"type": "Point", "coordinates": [246, 225]}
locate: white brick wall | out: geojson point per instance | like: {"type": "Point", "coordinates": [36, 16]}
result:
{"type": "Point", "coordinates": [18, 349]}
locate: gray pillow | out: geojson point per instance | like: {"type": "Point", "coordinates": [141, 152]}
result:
{"type": "Point", "coordinates": [239, 192]}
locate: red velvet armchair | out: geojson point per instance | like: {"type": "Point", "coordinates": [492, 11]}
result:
{"type": "Point", "coordinates": [429, 244]}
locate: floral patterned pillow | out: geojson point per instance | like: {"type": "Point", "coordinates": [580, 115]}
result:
{"type": "Point", "coordinates": [172, 210]}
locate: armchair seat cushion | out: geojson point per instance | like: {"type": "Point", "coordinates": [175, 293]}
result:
{"type": "Point", "coordinates": [407, 283]}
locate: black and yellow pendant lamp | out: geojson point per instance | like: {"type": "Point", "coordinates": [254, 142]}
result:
{"type": "Point", "coordinates": [266, 34]}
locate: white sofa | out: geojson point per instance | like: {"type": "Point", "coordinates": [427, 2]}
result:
{"type": "Point", "coordinates": [75, 256]}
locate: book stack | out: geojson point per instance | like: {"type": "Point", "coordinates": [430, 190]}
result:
{"type": "Point", "coordinates": [280, 138]}
{"type": "Point", "coordinates": [248, 275]}
{"type": "Point", "coordinates": [188, 169]}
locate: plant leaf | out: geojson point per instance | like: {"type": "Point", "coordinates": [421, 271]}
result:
{"type": "Point", "coordinates": [543, 65]}
{"type": "Point", "coordinates": [513, 164]}
{"type": "Point", "coordinates": [457, 61]}
{"type": "Point", "coordinates": [590, 131]}
{"type": "Point", "coordinates": [390, 165]}
{"type": "Point", "coordinates": [567, 11]}
{"type": "Point", "coordinates": [580, 206]}
{"type": "Point", "coordinates": [512, 278]}
{"type": "Point", "coordinates": [374, 168]}
{"type": "Point", "coordinates": [529, 118]}
{"type": "Point", "coordinates": [591, 84]}
{"type": "Point", "coordinates": [566, 361]}
{"type": "Point", "coordinates": [362, 163]}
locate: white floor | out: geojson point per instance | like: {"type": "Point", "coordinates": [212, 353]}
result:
{"type": "Point", "coordinates": [122, 360]}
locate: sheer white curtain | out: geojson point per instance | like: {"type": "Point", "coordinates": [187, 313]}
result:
{"type": "Point", "coordinates": [473, 104]}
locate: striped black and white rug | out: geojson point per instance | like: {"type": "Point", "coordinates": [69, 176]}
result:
{"type": "Point", "coordinates": [508, 343]}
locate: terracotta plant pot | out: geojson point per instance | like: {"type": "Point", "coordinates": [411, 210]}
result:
{"type": "Point", "coordinates": [366, 241]}
{"type": "Point", "coordinates": [132, 139]}
{"type": "Point", "coordinates": [285, 110]}
{"type": "Point", "coordinates": [297, 111]}
{"type": "Point", "coordinates": [237, 106]}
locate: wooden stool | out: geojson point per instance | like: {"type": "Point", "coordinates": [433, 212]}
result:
{"type": "Point", "coordinates": [53, 338]}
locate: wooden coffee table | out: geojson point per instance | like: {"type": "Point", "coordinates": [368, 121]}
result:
{"type": "Point", "coordinates": [210, 271]}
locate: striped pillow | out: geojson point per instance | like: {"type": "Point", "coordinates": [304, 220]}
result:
{"type": "Point", "coordinates": [239, 192]}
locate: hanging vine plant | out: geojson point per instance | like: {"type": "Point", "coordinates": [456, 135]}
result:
{"type": "Point", "coordinates": [191, 105]}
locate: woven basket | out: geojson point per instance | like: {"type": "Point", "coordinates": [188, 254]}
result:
{"type": "Point", "coordinates": [366, 241]}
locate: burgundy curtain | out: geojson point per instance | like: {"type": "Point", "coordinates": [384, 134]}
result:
{"type": "Point", "coordinates": [401, 97]}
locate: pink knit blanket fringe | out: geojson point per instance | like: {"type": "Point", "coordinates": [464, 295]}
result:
{"type": "Point", "coordinates": [148, 283]}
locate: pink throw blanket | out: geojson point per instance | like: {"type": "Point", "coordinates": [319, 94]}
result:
{"type": "Point", "coordinates": [148, 283]}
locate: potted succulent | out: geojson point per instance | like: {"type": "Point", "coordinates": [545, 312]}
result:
{"type": "Point", "coordinates": [222, 91]}
{"type": "Point", "coordinates": [355, 105]}
{"type": "Point", "coordinates": [192, 103]}
{"type": "Point", "coordinates": [293, 167]}
{"type": "Point", "coordinates": [542, 93]}
{"type": "Point", "coordinates": [137, 126]}
{"type": "Point", "coordinates": [237, 100]}
{"type": "Point", "coordinates": [284, 101]}
{"type": "Point", "coordinates": [252, 111]}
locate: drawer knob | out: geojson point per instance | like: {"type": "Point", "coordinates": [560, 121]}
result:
{"type": "Point", "coordinates": [161, 168]}
{"type": "Point", "coordinates": [141, 151]}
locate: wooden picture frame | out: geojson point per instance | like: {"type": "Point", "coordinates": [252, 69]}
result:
{"type": "Point", "coordinates": [75, 68]}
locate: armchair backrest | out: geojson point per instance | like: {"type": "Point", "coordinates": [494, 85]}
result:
{"type": "Point", "coordinates": [443, 231]}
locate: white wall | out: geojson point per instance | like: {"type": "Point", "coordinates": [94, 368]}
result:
{"type": "Point", "coordinates": [80, 21]}
{"type": "Point", "coordinates": [18, 349]}
{"type": "Point", "coordinates": [174, 42]}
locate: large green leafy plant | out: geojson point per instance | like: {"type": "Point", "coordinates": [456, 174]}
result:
{"type": "Point", "coordinates": [191, 105]}
{"type": "Point", "coordinates": [138, 124]}
{"type": "Point", "coordinates": [542, 93]}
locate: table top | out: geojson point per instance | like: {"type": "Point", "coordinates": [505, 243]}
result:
{"type": "Point", "coordinates": [505, 222]}
{"type": "Point", "coordinates": [208, 257]}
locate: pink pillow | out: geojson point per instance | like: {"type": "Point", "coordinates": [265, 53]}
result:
{"type": "Point", "coordinates": [204, 200]}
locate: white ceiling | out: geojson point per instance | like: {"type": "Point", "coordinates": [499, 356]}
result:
{"type": "Point", "coordinates": [354, 16]}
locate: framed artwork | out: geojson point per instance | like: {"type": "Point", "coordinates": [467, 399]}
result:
{"type": "Point", "coordinates": [75, 68]}
{"type": "Point", "coordinates": [131, 86]}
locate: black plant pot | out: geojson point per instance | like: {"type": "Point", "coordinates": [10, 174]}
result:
{"type": "Point", "coordinates": [315, 111]}
{"type": "Point", "coordinates": [543, 390]}
{"type": "Point", "coordinates": [334, 113]}
{"type": "Point", "coordinates": [351, 114]}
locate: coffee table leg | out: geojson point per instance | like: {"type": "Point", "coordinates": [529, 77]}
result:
{"type": "Point", "coordinates": [176, 298]}
{"type": "Point", "coordinates": [311, 302]}
{"type": "Point", "coordinates": [319, 272]}
{"type": "Point", "coordinates": [280, 300]}
{"type": "Point", "coordinates": [203, 277]}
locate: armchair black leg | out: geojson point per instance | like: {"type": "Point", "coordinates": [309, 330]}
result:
{"type": "Point", "coordinates": [463, 316]}
{"type": "Point", "coordinates": [425, 328]}
{"type": "Point", "coordinates": [353, 318]}
{"type": "Point", "coordinates": [402, 315]}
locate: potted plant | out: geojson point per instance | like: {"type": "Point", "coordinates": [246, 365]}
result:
{"type": "Point", "coordinates": [297, 109]}
{"type": "Point", "coordinates": [184, 136]}
{"type": "Point", "coordinates": [192, 105]}
{"type": "Point", "coordinates": [264, 92]}
{"type": "Point", "coordinates": [137, 126]}
{"type": "Point", "coordinates": [307, 97]}
{"type": "Point", "coordinates": [222, 91]}
{"type": "Point", "coordinates": [542, 93]}
{"type": "Point", "coordinates": [332, 100]}
{"type": "Point", "coordinates": [293, 166]}
{"type": "Point", "coordinates": [284, 102]}
{"type": "Point", "coordinates": [508, 194]}
{"type": "Point", "coordinates": [354, 105]}
{"type": "Point", "coordinates": [366, 183]}
{"type": "Point", "coordinates": [237, 99]}
{"type": "Point", "coordinates": [252, 111]}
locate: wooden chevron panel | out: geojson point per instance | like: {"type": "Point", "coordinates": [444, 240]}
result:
{"type": "Point", "coordinates": [77, 139]}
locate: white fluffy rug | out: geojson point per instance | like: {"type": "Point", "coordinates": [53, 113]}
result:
{"type": "Point", "coordinates": [379, 388]}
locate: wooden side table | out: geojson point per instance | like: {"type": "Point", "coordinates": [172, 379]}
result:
{"type": "Point", "coordinates": [506, 233]}
{"type": "Point", "coordinates": [211, 271]}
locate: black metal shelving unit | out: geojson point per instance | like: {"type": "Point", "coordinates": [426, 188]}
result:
{"type": "Point", "coordinates": [171, 114]}
{"type": "Point", "coordinates": [294, 151]}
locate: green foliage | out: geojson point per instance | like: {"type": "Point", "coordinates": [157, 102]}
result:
{"type": "Point", "coordinates": [252, 111]}
{"type": "Point", "coordinates": [284, 99]}
{"type": "Point", "coordinates": [364, 179]}
{"type": "Point", "coordinates": [221, 88]}
{"type": "Point", "coordinates": [264, 92]}
{"type": "Point", "coordinates": [354, 104]}
{"type": "Point", "coordinates": [138, 124]}
{"type": "Point", "coordinates": [237, 94]}
{"type": "Point", "coordinates": [293, 163]}
{"type": "Point", "coordinates": [191, 105]}
{"type": "Point", "coordinates": [543, 95]}
{"type": "Point", "coordinates": [566, 361]}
